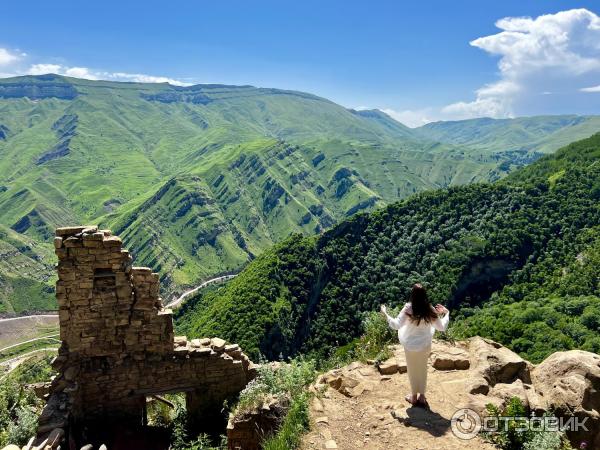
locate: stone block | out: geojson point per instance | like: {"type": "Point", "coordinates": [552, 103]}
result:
{"type": "Point", "coordinates": [112, 241]}
{"type": "Point", "coordinates": [92, 243]}
{"type": "Point", "coordinates": [72, 242]}
{"type": "Point", "coordinates": [69, 231]}
{"type": "Point", "coordinates": [218, 344]}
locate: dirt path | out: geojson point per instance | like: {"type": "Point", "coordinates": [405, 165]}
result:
{"type": "Point", "coordinates": [13, 363]}
{"type": "Point", "coordinates": [375, 415]}
{"type": "Point", "coordinates": [51, 337]}
{"type": "Point", "coordinates": [35, 316]}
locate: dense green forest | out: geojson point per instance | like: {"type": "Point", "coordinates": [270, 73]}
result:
{"type": "Point", "coordinates": [516, 261]}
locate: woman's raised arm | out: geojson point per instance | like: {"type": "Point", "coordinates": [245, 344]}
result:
{"type": "Point", "coordinates": [395, 323]}
{"type": "Point", "coordinates": [441, 324]}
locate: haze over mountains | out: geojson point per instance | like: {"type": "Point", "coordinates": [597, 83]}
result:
{"type": "Point", "coordinates": [199, 180]}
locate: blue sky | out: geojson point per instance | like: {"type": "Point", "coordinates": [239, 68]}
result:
{"type": "Point", "coordinates": [415, 60]}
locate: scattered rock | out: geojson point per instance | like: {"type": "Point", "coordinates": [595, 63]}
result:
{"type": "Point", "coordinates": [479, 402]}
{"type": "Point", "coordinates": [478, 385]}
{"type": "Point", "coordinates": [180, 341]}
{"type": "Point", "coordinates": [218, 344]}
{"type": "Point", "coordinates": [340, 382]}
{"type": "Point", "coordinates": [388, 367]}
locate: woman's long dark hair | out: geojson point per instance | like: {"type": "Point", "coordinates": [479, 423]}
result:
{"type": "Point", "coordinates": [421, 308]}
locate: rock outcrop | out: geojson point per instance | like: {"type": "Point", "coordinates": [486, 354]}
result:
{"type": "Point", "coordinates": [569, 384]}
{"type": "Point", "coordinates": [363, 405]}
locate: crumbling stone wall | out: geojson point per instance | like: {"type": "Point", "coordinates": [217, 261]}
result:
{"type": "Point", "coordinates": [118, 345]}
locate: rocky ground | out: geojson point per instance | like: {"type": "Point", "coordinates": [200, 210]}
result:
{"type": "Point", "coordinates": [363, 406]}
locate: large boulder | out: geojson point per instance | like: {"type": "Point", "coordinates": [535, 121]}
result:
{"type": "Point", "coordinates": [569, 384]}
{"type": "Point", "coordinates": [445, 356]}
{"type": "Point", "coordinates": [497, 364]}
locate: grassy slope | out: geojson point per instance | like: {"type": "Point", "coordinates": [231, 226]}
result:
{"type": "Point", "coordinates": [469, 244]}
{"type": "Point", "coordinates": [86, 151]}
{"type": "Point", "coordinates": [199, 180]}
{"type": "Point", "coordinates": [26, 273]}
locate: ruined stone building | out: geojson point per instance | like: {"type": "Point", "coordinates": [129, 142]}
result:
{"type": "Point", "coordinates": [118, 346]}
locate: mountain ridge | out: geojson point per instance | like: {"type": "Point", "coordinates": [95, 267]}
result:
{"type": "Point", "coordinates": [251, 164]}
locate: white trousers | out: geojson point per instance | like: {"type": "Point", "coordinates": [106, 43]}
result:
{"type": "Point", "coordinates": [416, 365]}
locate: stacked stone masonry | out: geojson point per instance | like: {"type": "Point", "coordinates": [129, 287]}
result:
{"type": "Point", "coordinates": [118, 345]}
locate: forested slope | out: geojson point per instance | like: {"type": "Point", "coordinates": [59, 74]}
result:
{"type": "Point", "coordinates": [481, 249]}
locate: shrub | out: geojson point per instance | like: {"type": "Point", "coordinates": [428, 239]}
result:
{"type": "Point", "coordinates": [25, 426]}
{"type": "Point", "coordinates": [19, 407]}
{"type": "Point", "coordinates": [288, 380]}
{"type": "Point", "coordinates": [514, 435]}
{"type": "Point", "coordinates": [293, 427]}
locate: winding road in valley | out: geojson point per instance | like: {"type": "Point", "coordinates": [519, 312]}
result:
{"type": "Point", "coordinates": [41, 338]}
{"type": "Point", "coordinates": [178, 301]}
{"type": "Point", "coordinates": [11, 319]}
{"type": "Point", "coordinates": [13, 363]}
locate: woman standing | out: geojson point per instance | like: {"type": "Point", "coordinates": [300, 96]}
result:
{"type": "Point", "coordinates": [416, 325]}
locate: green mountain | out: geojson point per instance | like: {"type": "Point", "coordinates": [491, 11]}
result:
{"type": "Point", "coordinates": [200, 180]}
{"type": "Point", "coordinates": [209, 175]}
{"type": "Point", "coordinates": [516, 260]}
{"type": "Point", "coordinates": [542, 134]}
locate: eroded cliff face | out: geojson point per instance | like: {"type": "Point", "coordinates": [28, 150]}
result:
{"type": "Point", "coordinates": [40, 87]}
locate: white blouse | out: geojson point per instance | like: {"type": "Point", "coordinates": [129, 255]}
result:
{"type": "Point", "coordinates": [415, 337]}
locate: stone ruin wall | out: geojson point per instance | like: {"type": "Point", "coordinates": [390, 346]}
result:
{"type": "Point", "coordinates": [118, 344]}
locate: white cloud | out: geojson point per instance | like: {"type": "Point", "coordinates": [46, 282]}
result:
{"type": "Point", "coordinates": [549, 53]}
{"type": "Point", "coordinates": [591, 89]}
{"type": "Point", "coordinates": [543, 63]}
{"type": "Point", "coordinates": [410, 118]}
{"type": "Point", "coordinates": [88, 74]}
{"type": "Point", "coordinates": [41, 69]}
{"type": "Point", "coordinates": [7, 57]}
{"type": "Point", "coordinates": [142, 78]}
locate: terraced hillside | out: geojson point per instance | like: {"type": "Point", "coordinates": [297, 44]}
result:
{"type": "Point", "coordinates": [26, 273]}
{"type": "Point", "coordinates": [516, 261]}
{"type": "Point", "coordinates": [201, 179]}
